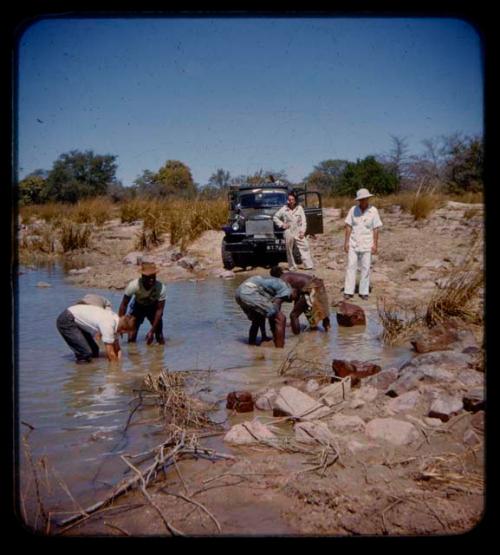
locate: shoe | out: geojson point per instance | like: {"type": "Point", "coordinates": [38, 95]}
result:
{"type": "Point", "coordinates": [347, 296]}
{"type": "Point", "coordinates": [364, 297]}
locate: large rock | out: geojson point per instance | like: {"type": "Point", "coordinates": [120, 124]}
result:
{"type": "Point", "coordinates": [354, 368]}
{"type": "Point", "coordinates": [335, 393]}
{"type": "Point", "coordinates": [349, 314]}
{"type": "Point", "coordinates": [313, 432]}
{"type": "Point", "coordinates": [436, 374]}
{"type": "Point", "coordinates": [240, 401]}
{"type": "Point", "coordinates": [266, 399]}
{"type": "Point", "coordinates": [474, 400]}
{"type": "Point", "coordinates": [383, 379]}
{"type": "Point", "coordinates": [292, 402]}
{"type": "Point", "coordinates": [397, 432]}
{"type": "Point", "coordinates": [445, 406]}
{"type": "Point", "coordinates": [434, 340]}
{"type": "Point", "coordinates": [346, 423]}
{"type": "Point", "coordinates": [405, 402]}
{"type": "Point", "coordinates": [407, 381]}
{"type": "Point", "coordinates": [451, 358]}
{"type": "Point", "coordinates": [248, 433]}
{"type": "Point", "coordinates": [471, 378]}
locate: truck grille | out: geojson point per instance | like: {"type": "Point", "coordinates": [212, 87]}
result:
{"type": "Point", "coordinates": [259, 227]}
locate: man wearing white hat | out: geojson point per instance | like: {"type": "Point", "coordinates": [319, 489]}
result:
{"type": "Point", "coordinates": [360, 242]}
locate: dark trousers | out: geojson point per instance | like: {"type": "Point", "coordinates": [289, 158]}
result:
{"type": "Point", "coordinates": [140, 312]}
{"type": "Point", "coordinates": [79, 341]}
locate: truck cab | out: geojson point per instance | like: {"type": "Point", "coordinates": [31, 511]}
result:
{"type": "Point", "coordinates": [251, 237]}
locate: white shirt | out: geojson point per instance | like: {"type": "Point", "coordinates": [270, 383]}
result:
{"type": "Point", "coordinates": [296, 219]}
{"type": "Point", "coordinates": [95, 319]}
{"type": "Point", "coordinates": [362, 224]}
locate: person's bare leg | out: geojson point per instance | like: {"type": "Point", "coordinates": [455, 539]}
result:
{"type": "Point", "coordinates": [263, 333]}
{"type": "Point", "coordinates": [252, 333]}
{"type": "Point", "coordinates": [278, 327]}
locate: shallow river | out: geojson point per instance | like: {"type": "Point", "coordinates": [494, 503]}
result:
{"type": "Point", "coordinates": [79, 412]}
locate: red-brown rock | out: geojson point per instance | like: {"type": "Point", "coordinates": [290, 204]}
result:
{"type": "Point", "coordinates": [240, 401]}
{"type": "Point", "coordinates": [437, 339]}
{"type": "Point", "coordinates": [354, 368]}
{"type": "Point", "coordinates": [349, 314]}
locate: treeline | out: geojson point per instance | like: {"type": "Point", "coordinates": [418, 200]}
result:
{"type": "Point", "coordinates": [449, 164]}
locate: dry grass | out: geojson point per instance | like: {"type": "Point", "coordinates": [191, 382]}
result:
{"type": "Point", "coordinates": [398, 322]}
{"type": "Point", "coordinates": [178, 409]}
{"type": "Point", "coordinates": [75, 236]}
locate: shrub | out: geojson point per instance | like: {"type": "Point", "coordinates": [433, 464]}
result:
{"type": "Point", "coordinates": [74, 236]}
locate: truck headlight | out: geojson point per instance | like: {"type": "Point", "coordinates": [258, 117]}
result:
{"type": "Point", "coordinates": [236, 226]}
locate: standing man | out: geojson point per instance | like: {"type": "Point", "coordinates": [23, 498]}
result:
{"type": "Point", "coordinates": [80, 323]}
{"type": "Point", "coordinates": [312, 299]}
{"type": "Point", "coordinates": [149, 302]}
{"type": "Point", "coordinates": [292, 219]}
{"type": "Point", "coordinates": [360, 242]}
{"type": "Point", "coordinates": [260, 298]}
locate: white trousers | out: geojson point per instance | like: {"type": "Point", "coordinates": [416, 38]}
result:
{"type": "Point", "coordinates": [302, 245]}
{"type": "Point", "coordinates": [353, 260]}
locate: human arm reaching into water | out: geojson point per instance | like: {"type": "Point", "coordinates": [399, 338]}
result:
{"type": "Point", "coordinates": [157, 319]}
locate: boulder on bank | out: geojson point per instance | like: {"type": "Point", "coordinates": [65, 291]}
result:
{"type": "Point", "coordinates": [397, 432]}
{"type": "Point", "coordinates": [405, 402]}
{"type": "Point", "coordinates": [292, 402]}
{"type": "Point", "coordinates": [313, 432]}
{"type": "Point", "coordinates": [445, 406]}
{"type": "Point", "coordinates": [437, 339]}
{"type": "Point", "coordinates": [474, 400]}
{"type": "Point", "coordinates": [356, 369]}
{"type": "Point", "coordinates": [349, 314]}
{"type": "Point", "coordinates": [249, 433]}
{"type": "Point", "coordinates": [383, 379]}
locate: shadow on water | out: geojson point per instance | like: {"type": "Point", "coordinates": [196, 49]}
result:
{"type": "Point", "coordinates": [79, 412]}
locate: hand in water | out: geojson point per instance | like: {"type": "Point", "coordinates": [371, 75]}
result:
{"type": "Point", "coordinates": [149, 337]}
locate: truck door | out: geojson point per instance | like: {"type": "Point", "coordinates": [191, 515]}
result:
{"type": "Point", "coordinates": [311, 203]}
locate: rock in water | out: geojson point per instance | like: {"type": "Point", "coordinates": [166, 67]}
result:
{"type": "Point", "coordinates": [349, 314]}
{"type": "Point", "coordinates": [354, 368]}
{"type": "Point", "coordinates": [292, 402]}
{"type": "Point", "coordinates": [240, 401]}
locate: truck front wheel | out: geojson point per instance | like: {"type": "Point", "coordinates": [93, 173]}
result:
{"type": "Point", "coordinates": [227, 257]}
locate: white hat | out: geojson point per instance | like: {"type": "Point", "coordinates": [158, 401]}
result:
{"type": "Point", "coordinates": [363, 193]}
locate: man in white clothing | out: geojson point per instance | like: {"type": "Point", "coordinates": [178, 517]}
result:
{"type": "Point", "coordinates": [292, 219]}
{"type": "Point", "coordinates": [360, 242]}
{"type": "Point", "coordinates": [80, 323]}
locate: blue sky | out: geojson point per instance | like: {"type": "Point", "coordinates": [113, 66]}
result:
{"type": "Point", "coordinates": [242, 93]}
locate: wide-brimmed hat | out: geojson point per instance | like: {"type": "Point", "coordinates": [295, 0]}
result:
{"type": "Point", "coordinates": [363, 193]}
{"type": "Point", "coordinates": [148, 269]}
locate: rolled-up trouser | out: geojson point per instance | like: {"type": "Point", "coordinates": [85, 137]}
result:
{"type": "Point", "coordinates": [140, 311]}
{"type": "Point", "coordinates": [353, 259]}
{"type": "Point", "coordinates": [79, 340]}
{"type": "Point", "coordinates": [302, 245]}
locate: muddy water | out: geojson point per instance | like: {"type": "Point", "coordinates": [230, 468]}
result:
{"type": "Point", "coordinates": [79, 412]}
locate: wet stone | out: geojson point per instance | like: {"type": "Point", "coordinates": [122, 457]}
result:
{"type": "Point", "coordinates": [249, 433]}
{"type": "Point", "coordinates": [349, 314]}
{"type": "Point", "coordinates": [292, 402]}
{"type": "Point", "coordinates": [240, 401]}
{"type": "Point", "coordinates": [356, 369]}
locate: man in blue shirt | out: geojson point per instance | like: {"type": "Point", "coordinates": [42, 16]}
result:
{"type": "Point", "coordinates": [260, 298]}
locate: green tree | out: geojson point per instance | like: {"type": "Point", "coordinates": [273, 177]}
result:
{"type": "Point", "coordinates": [76, 175]}
{"type": "Point", "coordinates": [175, 179]}
{"type": "Point", "coordinates": [31, 188]}
{"type": "Point", "coordinates": [326, 175]}
{"type": "Point", "coordinates": [369, 174]}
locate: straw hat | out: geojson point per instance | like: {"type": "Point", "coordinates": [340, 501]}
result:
{"type": "Point", "coordinates": [148, 269]}
{"type": "Point", "coordinates": [363, 193]}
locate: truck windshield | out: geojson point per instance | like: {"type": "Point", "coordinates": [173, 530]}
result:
{"type": "Point", "coordinates": [263, 199]}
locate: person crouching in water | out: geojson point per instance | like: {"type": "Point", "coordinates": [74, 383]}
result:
{"type": "Point", "coordinates": [80, 323]}
{"type": "Point", "coordinates": [312, 299]}
{"type": "Point", "coordinates": [149, 302]}
{"type": "Point", "coordinates": [260, 298]}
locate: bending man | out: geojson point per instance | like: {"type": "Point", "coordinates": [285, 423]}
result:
{"type": "Point", "coordinates": [312, 299]}
{"type": "Point", "coordinates": [80, 323]}
{"type": "Point", "coordinates": [261, 298]}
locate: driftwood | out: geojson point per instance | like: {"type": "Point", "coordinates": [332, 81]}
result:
{"type": "Point", "coordinates": [178, 447]}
